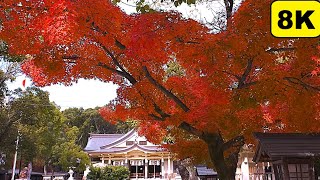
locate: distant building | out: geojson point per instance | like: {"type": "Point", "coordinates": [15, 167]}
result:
{"type": "Point", "coordinates": [205, 173]}
{"type": "Point", "coordinates": [144, 159]}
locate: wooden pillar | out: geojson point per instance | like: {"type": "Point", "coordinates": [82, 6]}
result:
{"type": "Point", "coordinates": [102, 159]}
{"type": "Point", "coordinates": [162, 168]}
{"type": "Point", "coordinates": [169, 166]}
{"type": "Point", "coordinates": [146, 163]}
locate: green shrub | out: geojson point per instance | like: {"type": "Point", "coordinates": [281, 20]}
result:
{"type": "Point", "coordinates": [108, 173]}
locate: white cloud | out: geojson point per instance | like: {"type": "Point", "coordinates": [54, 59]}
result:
{"type": "Point", "coordinates": [84, 93]}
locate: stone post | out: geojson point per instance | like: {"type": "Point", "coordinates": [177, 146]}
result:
{"type": "Point", "coordinates": [70, 174]}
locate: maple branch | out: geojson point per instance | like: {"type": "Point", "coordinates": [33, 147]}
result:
{"type": "Point", "coordinates": [228, 6]}
{"type": "Point", "coordinates": [248, 84]}
{"type": "Point", "coordinates": [187, 127]}
{"type": "Point", "coordinates": [245, 75]}
{"type": "Point", "coordinates": [100, 64]}
{"type": "Point", "coordinates": [162, 114]}
{"type": "Point", "coordinates": [120, 45]}
{"type": "Point", "coordinates": [122, 74]}
{"type": "Point", "coordinates": [157, 109]}
{"type": "Point", "coordinates": [297, 81]}
{"type": "Point", "coordinates": [160, 111]}
{"type": "Point", "coordinates": [97, 29]}
{"type": "Point", "coordinates": [125, 74]}
{"type": "Point", "coordinates": [236, 76]}
{"type": "Point", "coordinates": [234, 156]}
{"type": "Point", "coordinates": [180, 40]}
{"type": "Point", "coordinates": [232, 142]}
{"type": "Point", "coordinates": [184, 125]}
{"type": "Point", "coordinates": [156, 117]}
{"type": "Point", "coordinates": [165, 91]}
{"type": "Point", "coordinates": [71, 57]}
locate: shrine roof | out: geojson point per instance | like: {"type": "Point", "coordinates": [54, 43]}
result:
{"type": "Point", "coordinates": [116, 143]}
{"type": "Point", "coordinates": [274, 146]}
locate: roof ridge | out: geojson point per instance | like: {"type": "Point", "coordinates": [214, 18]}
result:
{"type": "Point", "coordinates": [106, 134]}
{"type": "Point", "coordinates": [120, 139]}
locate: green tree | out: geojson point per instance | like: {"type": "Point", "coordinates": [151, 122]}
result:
{"type": "Point", "coordinates": [125, 126]}
{"type": "Point", "coordinates": [87, 121]}
{"type": "Point", "coordinates": [45, 138]}
{"type": "Point", "coordinates": [68, 154]}
{"type": "Point", "coordinates": [39, 122]}
{"type": "Point", "coordinates": [8, 72]}
{"type": "Point", "coordinates": [90, 121]}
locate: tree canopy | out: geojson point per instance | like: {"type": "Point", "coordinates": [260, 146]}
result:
{"type": "Point", "coordinates": [45, 139]}
{"type": "Point", "coordinates": [231, 83]}
{"type": "Point", "coordinates": [90, 121]}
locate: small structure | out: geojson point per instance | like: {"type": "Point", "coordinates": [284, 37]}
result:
{"type": "Point", "coordinates": [144, 159]}
{"type": "Point", "coordinates": [292, 154]}
{"type": "Point", "coordinates": [205, 173]}
{"type": "Point", "coordinates": [247, 169]}
{"type": "Point", "coordinates": [70, 174]}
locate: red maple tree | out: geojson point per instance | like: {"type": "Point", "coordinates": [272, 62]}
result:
{"type": "Point", "coordinates": [176, 77]}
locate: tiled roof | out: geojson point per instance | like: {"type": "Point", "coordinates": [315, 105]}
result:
{"type": "Point", "coordinates": [274, 146]}
{"type": "Point", "coordinates": [121, 139]}
{"type": "Point", "coordinates": [205, 171]}
{"type": "Point", "coordinates": [129, 148]}
{"type": "Point", "coordinates": [107, 143]}
{"type": "Point", "coordinates": [95, 141]}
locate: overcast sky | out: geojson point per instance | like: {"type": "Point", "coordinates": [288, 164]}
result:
{"type": "Point", "coordinates": [85, 93]}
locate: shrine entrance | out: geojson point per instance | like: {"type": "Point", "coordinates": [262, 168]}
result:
{"type": "Point", "coordinates": [154, 169]}
{"type": "Point", "coordinates": [137, 169]}
{"type": "Point", "coordinates": [150, 169]}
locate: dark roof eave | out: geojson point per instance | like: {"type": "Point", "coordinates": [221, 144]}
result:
{"type": "Point", "coordinates": [274, 146]}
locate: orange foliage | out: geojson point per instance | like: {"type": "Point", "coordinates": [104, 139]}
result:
{"type": "Point", "coordinates": [235, 82]}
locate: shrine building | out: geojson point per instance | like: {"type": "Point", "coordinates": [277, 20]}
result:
{"type": "Point", "coordinates": [144, 159]}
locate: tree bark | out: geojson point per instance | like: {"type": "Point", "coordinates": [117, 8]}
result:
{"type": "Point", "coordinates": [225, 164]}
{"type": "Point", "coordinates": [183, 171]}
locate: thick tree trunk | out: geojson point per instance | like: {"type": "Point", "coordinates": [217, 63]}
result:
{"type": "Point", "coordinates": [224, 155]}
{"type": "Point", "coordinates": [225, 171]}
{"type": "Point", "coordinates": [186, 169]}
{"type": "Point", "coordinates": [183, 171]}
